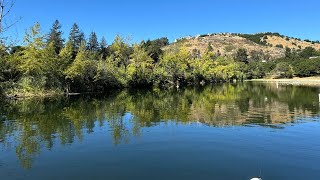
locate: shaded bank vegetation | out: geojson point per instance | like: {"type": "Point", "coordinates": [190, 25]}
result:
{"type": "Point", "coordinates": [30, 126]}
{"type": "Point", "coordinates": [48, 64]}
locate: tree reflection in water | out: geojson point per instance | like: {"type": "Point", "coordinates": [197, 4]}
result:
{"type": "Point", "coordinates": [31, 125]}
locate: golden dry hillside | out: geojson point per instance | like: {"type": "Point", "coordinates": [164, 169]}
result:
{"type": "Point", "coordinates": [227, 44]}
{"type": "Point", "coordinates": [292, 43]}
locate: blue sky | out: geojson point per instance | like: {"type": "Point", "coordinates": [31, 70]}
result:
{"type": "Point", "coordinates": [149, 19]}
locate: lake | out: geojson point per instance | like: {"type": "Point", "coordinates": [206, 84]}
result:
{"type": "Point", "coordinates": [224, 131]}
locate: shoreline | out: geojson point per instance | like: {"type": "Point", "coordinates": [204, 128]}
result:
{"type": "Point", "coordinates": [307, 81]}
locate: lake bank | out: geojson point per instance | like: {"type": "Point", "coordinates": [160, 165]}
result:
{"type": "Point", "coordinates": [307, 81]}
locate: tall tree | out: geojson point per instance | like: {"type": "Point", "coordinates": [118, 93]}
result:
{"type": "Point", "coordinates": [93, 44]}
{"type": "Point", "coordinates": [121, 51]}
{"type": "Point", "coordinates": [140, 68]}
{"type": "Point", "coordinates": [242, 56]}
{"type": "Point", "coordinates": [54, 36]}
{"type": "Point", "coordinates": [34, 61]}
{"type": "Point", "coordinates": [103, 48]}
{"type": "Point", "coordinates": [76, 37]}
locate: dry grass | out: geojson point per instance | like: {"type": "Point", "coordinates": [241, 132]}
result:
{"type": "Point", "coordinates": [228, 44]}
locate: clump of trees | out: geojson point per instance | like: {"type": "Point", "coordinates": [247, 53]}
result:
{"type": "Point", "coordinates": [48, 63]}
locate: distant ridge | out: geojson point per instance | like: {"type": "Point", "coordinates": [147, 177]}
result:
{"type": "Point", "coordinates": [272, 45]}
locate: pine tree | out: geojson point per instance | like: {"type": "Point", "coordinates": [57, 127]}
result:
{"type": "Point", "coordinates": [103, 48]}
{"type": "Point", "coordinates": [76, 37]}
{"type": "Point", "coordinates": [66, 54]}
{"type": "Point", "coordinates": [93, 44]}
{"type": "Point", "coordinates": [55, 38]}
{"type": "Point", "coordinates": [82, 39]}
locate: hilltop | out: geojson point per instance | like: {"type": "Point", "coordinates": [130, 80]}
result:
{"type": "Point", "coordinates": [270, 45]}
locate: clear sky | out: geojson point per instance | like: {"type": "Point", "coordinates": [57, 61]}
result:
{"type": "Point", "coordinates": [148, 19]}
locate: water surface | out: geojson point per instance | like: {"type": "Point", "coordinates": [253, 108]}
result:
{"type": "Point", "coordinates": [229, 131]}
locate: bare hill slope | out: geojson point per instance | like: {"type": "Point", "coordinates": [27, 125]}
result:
{"type": "Point", "coordinates": [272, 45]}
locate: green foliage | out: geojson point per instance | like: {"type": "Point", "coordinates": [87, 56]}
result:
{"type": "Point", "coordinates": [93, 44]}
{"type": "Point", "coordinates": [45, 64]}
{"type": "Point", "coordinates": [76, 37]}
{"type": "Point", "coordinates": [120, 51]}
{"type": "Point", "coordinates": [259, 38]}
{"type": "Point", "coordinates": [283, 70]}
{"type": "Point", "coordinates": [226, 70]}
{"type": "Point", "coordinates": [309, 52]}
{"type": "Point", "coordinates": [173, 67]}
{"type": "Point", "coordinates": [153, 47]}
{"type": "Point", "coordinates": [242, 56]}
{"type": "Point", "coordinates": [55, 36]}
{"type": "Point", "coordinates": [32, 60]}
{"type": "Point", "coordinates": [306, 68]}
{"type": "Point", "coordinates": [141, 68]}
{"type": "Point", "coordinates": [108, 75]}
{"type": "Point", "coordinates": [82, 71]}
{"type": "Point", "coordinates": [256, 70]}
{"type": "Point", "coordinates": [103, 50]}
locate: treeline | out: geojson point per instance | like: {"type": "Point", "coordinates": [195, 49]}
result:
{"type": "Point", "coordinates": [304, 63]}
{"type": "Point", "coordinates": [47, 63]}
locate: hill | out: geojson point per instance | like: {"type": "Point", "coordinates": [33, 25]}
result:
{"type": "Point", "coordinates": [271, 45]}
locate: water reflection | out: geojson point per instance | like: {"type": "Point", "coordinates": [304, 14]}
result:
{"type": "Point", "coordinates": [30, 126]}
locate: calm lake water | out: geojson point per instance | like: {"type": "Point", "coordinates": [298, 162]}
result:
{"type": "Point", "coordinates": [229, 131]}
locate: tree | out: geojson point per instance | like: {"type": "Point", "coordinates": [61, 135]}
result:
{"type": "Point", "coordinates": [140, 68]}
{"type": "Point", "coordinates": [33, 63]}
{"type": "Point", "coordinates": [120, 51]}
{"type": "Point", "coordinates": [103, 48]}
{"type": "Point", "coordinates": [308, 52]}
{"type": "Point", "coordinates": [256, 70]}
{"type": "Point", "coordinates": [54, 36]}
{"type": "Point", "coordinates": [93, 44]}
{"type": "Point", "coordinates": [174, 67]}
{"type": "Point", "coordinates": [153, 47]}
{"type": "Point", "coordinates": [257, 55]}
{"type": "Point", "coordinates": [82, 71]}
{"type": "Point", "coordinates": [288, 53]}
{"type": "Point", "coordinates": [76, 37]}
{"type": "Point", "coordinates": [242, 56]}
{"type": "Point", "coordinates": [225, 69]}
{"type": "Point", "coordinates": [284, 70]}
{"type": "Point", "coordinates": [307, 67]}
{"type": "Point", "coordinates": [66, 53]}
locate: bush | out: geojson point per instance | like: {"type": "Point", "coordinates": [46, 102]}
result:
{"type": "Point", "coordinates": [279, 46]}
{"type": "Point", "coordinates": [283, 70]}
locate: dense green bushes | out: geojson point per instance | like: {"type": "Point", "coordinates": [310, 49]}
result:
{"type": "Point", "coordinates": [49, 65]}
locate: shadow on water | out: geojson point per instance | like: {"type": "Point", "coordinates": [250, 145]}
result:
{"type": "Point", "coordinates": [34, 124]}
